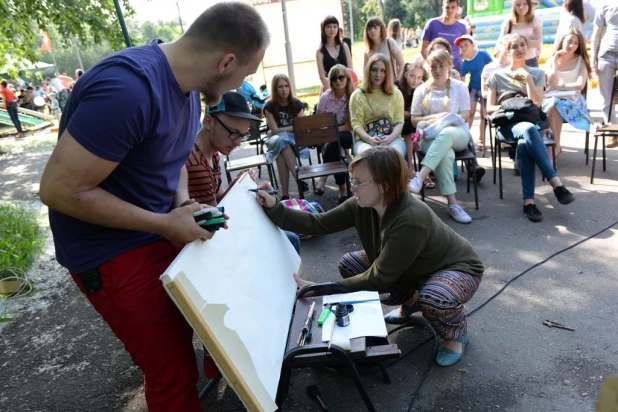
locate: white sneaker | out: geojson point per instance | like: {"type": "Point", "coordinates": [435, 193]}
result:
{"type": "Point", "coordinates": [415, 184]}
{"type": "Point", "coordinates": [458, 214]}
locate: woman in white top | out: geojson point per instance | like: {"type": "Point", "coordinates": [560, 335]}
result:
{"type": "Point", "coordinates": [523, 21]}
{"type": "Point", "coordinates": [567, 72]}
{"type": "Point", "coordinates": [571, 17]}
{"type": "Point", "coordinates": [377, 42]}
{"type": "Point", "coordinates": [432, 101]}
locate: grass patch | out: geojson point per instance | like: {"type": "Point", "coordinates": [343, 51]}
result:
{"type": "Point", "coordinates": [21, 239]}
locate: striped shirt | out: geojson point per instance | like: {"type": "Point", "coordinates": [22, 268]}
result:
{"type": "Point", "coordinates": [204, 180]}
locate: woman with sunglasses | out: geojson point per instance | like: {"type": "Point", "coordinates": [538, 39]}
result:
{"type": "Point", "coordinates": [335, 100]}
{"type": "Point", "coordinates": [280, 112]}
{"type": "Point", "coordinates": [332, 50]}
{"type": "Point", "coordinates": [376, 110]}
{"type": "Point", "coordinates": [408, 251]}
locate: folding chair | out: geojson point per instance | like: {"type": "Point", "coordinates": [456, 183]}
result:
{"type": "Point", "coordinates": [247, 163]}
{"type": "Point", "coordinates": [586, 146]}
{"type": "Point", "coordinates": [465, 156]}
{"type": "Point", "coordinates": [257, 133]}
{"type": "Point", "coordinates": [317, 130]}
{"type": "Point", "coordinates": [547, 140]}
{"type": "Point", "coordinates": [609, 130]}
{"type": "Point", "coordinates": [258, 160]}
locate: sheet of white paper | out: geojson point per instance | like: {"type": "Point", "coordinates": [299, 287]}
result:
{"type": "Point", "coordinates": [247, 268]}
{"type": "Point", "coordinates": [366, 319]}
{"type": "Point", "coordinates": [560, 93]}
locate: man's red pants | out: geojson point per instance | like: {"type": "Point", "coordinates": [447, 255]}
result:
{"type": "Point", "coordinates": [139, 311]}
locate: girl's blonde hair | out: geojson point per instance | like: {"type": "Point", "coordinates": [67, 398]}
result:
{"type": "Point", "coordinates": [388, 87]}
{"type": "Point", "coordinates": [338, 70]}
{"type": "Point", "coordinates": [439, 57]}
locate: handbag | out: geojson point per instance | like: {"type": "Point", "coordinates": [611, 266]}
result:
{"type": "Point", "coordinates": [377, 128]}
{"type": "Point", "coordinates": [305, 206]}
{"type": "Point", "coordinates": [516, 110]}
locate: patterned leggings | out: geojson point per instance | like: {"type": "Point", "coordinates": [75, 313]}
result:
{"type": "Point", "coordinates": [441, 298]}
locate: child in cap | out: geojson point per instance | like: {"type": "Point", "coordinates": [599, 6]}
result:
{"type": "Point", "coordinates": [54, 105]}
{"type": "Point", "coordinates": [472, 61]}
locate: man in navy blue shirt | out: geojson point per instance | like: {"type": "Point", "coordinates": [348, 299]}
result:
{"type": "Point", "coordinates": [117, 212]}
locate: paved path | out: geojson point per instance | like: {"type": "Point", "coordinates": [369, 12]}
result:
{"type": "Point", "coordinates": [60, 356]}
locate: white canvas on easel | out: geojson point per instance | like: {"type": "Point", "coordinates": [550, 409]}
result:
{"type": "Point", "coordinates": [237, 292]}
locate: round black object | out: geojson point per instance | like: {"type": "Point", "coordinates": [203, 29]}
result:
{"type": "Point", "coordinates": [341, 314]}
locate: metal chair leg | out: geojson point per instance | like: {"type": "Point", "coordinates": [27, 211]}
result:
{"type": "Point", "coordinates": [476, 192]}
{"type": "Point", "coordinates": [499, 154]}
{"type": "Point", "coordinates": [594, 158]}
{"type": "Point", "coordinates": [495, 145]}
{"type": "Point", "coordinates": [586, 149]}
{"type": "Point", "coordinates": [603, 137]}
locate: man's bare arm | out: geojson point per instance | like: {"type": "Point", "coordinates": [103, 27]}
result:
{"type": "Point", "coordinates": [70, 185]}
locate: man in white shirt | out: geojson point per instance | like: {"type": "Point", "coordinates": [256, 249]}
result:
{"type": "Point", "coordinates": [61, 91]}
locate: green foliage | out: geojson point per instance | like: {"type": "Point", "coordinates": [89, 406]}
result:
{"type": "Point", "coordinates": [166, 31]}
{"type": "Point", "coordinates": [66, 56]}
{"type": "Point", "coordinates": [88, 21]}
{"type": "Point", "coordinates": [21, 239]}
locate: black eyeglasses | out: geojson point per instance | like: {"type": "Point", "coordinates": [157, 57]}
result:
{"type": "Point", "coordinates": [340, 78]}
{"type": "Point", "coordinates": [232, 135]}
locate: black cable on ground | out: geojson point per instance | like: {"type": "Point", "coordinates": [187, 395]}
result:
{"type": "Point", "coordinates": [435, 337]}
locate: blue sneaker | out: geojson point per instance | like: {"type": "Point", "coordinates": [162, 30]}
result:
{"type": "Point", "coordinates": [448, 357]}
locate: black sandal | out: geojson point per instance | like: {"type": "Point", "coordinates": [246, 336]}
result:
{"type": "Point", "coordinates": [318, 192]}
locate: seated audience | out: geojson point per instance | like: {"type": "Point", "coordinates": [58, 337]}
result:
{"type": "Point", "coordinates": [280, 112]}
{"type": "Point", "coordinates": [376, 110]}
{"type": "Point", "coordinates": [567, 70]}
{"type": "Point", "coordinates": [335, 100]}
{"type": "Point", "coordinates": [421, 262]}
{"type": "Point", "coordinates": [413, 75]}
{"type": "Point", "coordinates": [432, 101]}
{"type": "Point", "coordinates": [531, 151]}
